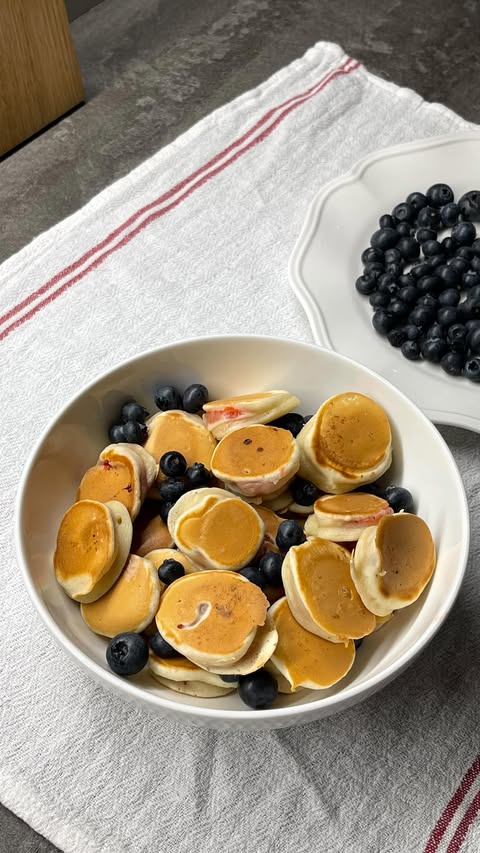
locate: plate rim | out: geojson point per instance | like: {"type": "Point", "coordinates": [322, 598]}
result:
{"type": "Point", "coordinates": [315, 316]}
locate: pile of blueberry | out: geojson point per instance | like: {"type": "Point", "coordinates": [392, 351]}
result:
{"type": "Point", "coordinates": [423, 285]}
{"type": "Point", "coordinates": [131, 427]}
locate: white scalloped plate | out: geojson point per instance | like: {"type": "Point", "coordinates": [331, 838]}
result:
{"type": "Point", "coordinates": [326, 261]}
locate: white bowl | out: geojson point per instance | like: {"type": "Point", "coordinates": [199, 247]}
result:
{"type": "Point", "coordinates": [228, 366]}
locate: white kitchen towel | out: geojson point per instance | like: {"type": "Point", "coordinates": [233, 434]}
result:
{"type": "Point", "coordinates": [195, 241]}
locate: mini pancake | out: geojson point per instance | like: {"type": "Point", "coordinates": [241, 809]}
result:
{"type": "Point", "coordinates": [321, 593]}
{"type": "Point", "coordinates": [393, 562]}
{"type": "Point", "coordinates": [159, 555]}
{"type": "Point", "coordinates": [215, 529]}
{"type": "Point", "coordinates": [278, 503]}
{"type": "Point", "coordinates": [130, 604]}
{"type": "Point", "coordinates": [346, 443]}
{"type": "Point", "coordinates": [195, 688]}
{"type": "Point", "coordinates": [256, 460]}
{"type": "Point", "coordinates": [258, 654]}
{"type": "Point", "coordinates": [182, 669]}
{"type": "Point", "coordinates": [149, 466]}
{"type": "Point", "coordinates": [211, 617]}
{"type": "Point", "coordinates": [342, 518]}
{"type": "Point", "coordinates": [221, 416]}
{"type": "Point", "coordinates": [93, 543]}
{"type": "Point", "coordinates": [304, 659]}
{"type": "Point", "coordinates": [180, 431]}
{"type": "Point", "coordinates": [116, 477]}
{"type": "Point", "coordinates": [149, 531]}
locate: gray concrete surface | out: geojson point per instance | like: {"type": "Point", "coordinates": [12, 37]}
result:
{"type": "Point", "coordinates": [152, 68]}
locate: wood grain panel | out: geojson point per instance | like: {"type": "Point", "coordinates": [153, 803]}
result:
{"type": "Point", "coordinates": [39, 72]}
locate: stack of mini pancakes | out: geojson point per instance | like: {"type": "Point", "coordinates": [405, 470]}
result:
{"type": "Point", "coordinates": [360, 562]}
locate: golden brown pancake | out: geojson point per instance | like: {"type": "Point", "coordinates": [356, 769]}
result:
{"type": "Point", "coordinates": [181, 669]}
{"type": "Point", "coordinates": [342, 518]}
{"type": "Point", "coordinates": [393, 562]}
{"type": "Point", "coordinates": [271, 522]}
{"type": "Point", "coordinates": [215, 529]}
{"type": "Point", "coordinates": [114, 479]}
{"type": "Point", "coordinates": [256, 460]}
{"type": "Point", "coordinates": [345, 444]}
{"type": "Point", "coordinates": [130, 604]}
{"type": "Point", "coordinates": [321, 593]}
{"type": "Point", "coordinates": [211, 617]}
{"type": "Point", "coordinates": [305, 659]}
{"type": "Point", "coordinates": [176, 430]}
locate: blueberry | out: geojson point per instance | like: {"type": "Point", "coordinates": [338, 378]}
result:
{"type": "Point", "coordinates": [166, 398]}
{"type": "Point", "coordinates": [229, 679]}
{"type": "Point", "coordinates": [289, 533]}
{"type": "Point", "coordinates": [449, 246]}
{"type": "Point", "coordinates": [398, 309]}
{"type": "Point", "coordinates": [404, 229]}
{"type": "Point", "coordinates": [393, 256]}
{"type": "Point", "coordinates": [457, 337]}
{"type": "Point", "coordinates": [469, 205]}
{"type": "Point", "coordinates": [449, 214]}
{"type": "Point", "coordinates": [437, 261]}
{"type": "Point", "coordinates": [435, 331]}
{"type": "Point", "coordinates": [412, 332]}
{"type": "Point", "coordinates": [170, 571]}
{"type": "Point", "coordinates": [411, 350]}
{"type": "Point", "coordinates": [173, 464]}
{"type": "Point", "coordinates": [406, 280]}
{"type": "Point", "coordinates": [428, 217]}
{"type": "Point", "coordinates": [307, 418]}
{"type": "Point", "coordinates": [472, 368]}
{"type": "Point", "coordinates": [471, 325]}
{"type": "Point", "coordinates": [470, 279]}
{"type": "Point", "coordinates": [453, 363]}
{"type": "Point", "coordinates": [460, 265]}
{"type": "Point", "coordinates": [194, 397]}
{"type": "Point", "coordinates": [371, 489]}
{"type": "Point", "coordinates": [474, 263]}
{"type": "Point", "coordinates": [408, 294]}
{"type": "Point", "coordinates": [127, 653]}
{"type": "Point", "coordinates": [404, 212]}
{"type": "Point", "coordinates": [116, 433]}
{"type": "Point", "coordinates": [449, 297]}
{"type": "Point", "coordinates": [474, 293]}
{"type": "Point", "coordinates": [399, 498]}
{"type": "Point", "coordinates": [382, 321]}
{"type": "Point", "coordinates": [379, 300]}
{"type": "Point", "coordinates": [384, 238]}
{"type": "Point", "coordinates": [431, 247]}
{"type": "Point", "coordinates": [439, 194]}
{"type": "Point", "coordinates": [424, 234]}
{"type": "Point", "coordinates": [433, 349]}
{"type": "Point", "coordinates": [271, 568]}
{"type": "Point", "coordinates": [408, 248]}
{"type": "Point", "coordinates": [172, 489]}
{"type": "Point", "coordinates": [160, 647]}
{"type": "Point", "coordinates": [388, 284]}
{"type": "Point", "coordinates": [429, 300]}
{"type": "Point", "coordinates": [464, 233]}
{"type": "Point", "coordinates": [474, 340]}
{"type": "Point", "coordinates": [465, 252]}
{"type": "Point", "coordinates": [397, 337]}
{"type": "Point", "coordinates": [371, 255]}
{"type": "Point", "coordinates": [448, 274]}
{"type": "Point", "coordinates": [358, 642]}
{"type": "Point", "coordinates": [254, 575]}
{"type": "Point", "coordinates": [475, 247]}
{"type": "Point", "coordinates": [133, 412]}
{"type": "Point", "coordinates": [197, 475]}
{"type": "Point", "coordinates": [421, 269]}
{"type": "Point", "coordinates": [429, 284]}
{"type": "Point", "coordinates": [259, 689]}
{"type": "Point", "coordinates": [469, 309]}
{"type": "Point", "coordinates": [386, 221]}
{"type": "Point", "coordinates": [417, 201]}
{"type": "Point", "coordinates": [395, 268]}
{"type": "Point", "coordinates": [135, 432]}
{"type": "Point", "coordinates": [422, 315]}
{"type": "Point", "coordinates": [293, 422]}
{"type": "Point", "coordinates": [447, 316]}
{"type": "Point", "coordinates": [304, 492]}
{"type": "Point", "coordinates": [373, 269]}
{"type": "Point", "coordinates": [164, 509]}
